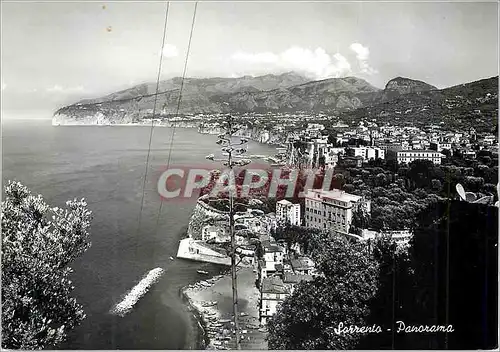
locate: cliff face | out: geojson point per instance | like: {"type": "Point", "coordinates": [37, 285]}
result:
{"type": "Point", "coordinates": [201, 213]}
{"type": "Point", "coordinates": [400, 86]}
{"type": "Point", "coordinates": [406, 85]}
{"type": "Point", "coordinates": [93, 115]}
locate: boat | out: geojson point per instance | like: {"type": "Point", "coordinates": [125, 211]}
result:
{"type": "Point", "coordinates": [171, 258]}
{"type": "Point", "coordinates": [203, 272]}
{"type": "Point", "coordinates": [257, 156]}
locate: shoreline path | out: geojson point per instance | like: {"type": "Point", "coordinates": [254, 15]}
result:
{"type": "Point", "coordinates": [212, 298]}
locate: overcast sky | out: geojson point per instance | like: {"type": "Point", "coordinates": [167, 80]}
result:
{"type": "Point", "coordinates": [57, 53]}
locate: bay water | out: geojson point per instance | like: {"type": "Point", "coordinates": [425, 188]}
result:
{"type": "Point", "coordinates": [106, 166]}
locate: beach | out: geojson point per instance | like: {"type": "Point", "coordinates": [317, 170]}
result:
{"type": "Point", "coordinates": [212, 299]}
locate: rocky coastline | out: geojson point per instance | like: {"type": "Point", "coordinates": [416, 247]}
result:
{"type": "Point", "coordinates": [86, 118]}
{"type": "Point", "coordinates": [203, 340]}
{"type": "Point", "coordinates": [211, 303]}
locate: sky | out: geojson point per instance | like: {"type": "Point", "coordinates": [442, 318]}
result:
{"type": "Point", "coordinates": [56, 53]}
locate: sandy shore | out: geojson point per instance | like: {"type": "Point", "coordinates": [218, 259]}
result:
{"type": "Point", "coordinates": [212, 298]}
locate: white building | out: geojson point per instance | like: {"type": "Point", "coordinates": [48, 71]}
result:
{"type": "Point", "coordinates": [318, 152]}
{"type": "Point", "coordinates": [273, 255]}
{"type": "Point", "coordinates": [399, 236]}
{"type": "Point", "coordinates": [272, 293]}
{"type": "Point", "coordinates": [439, 147]}
{"type": "Point", "coordinates": [368, 153]}
{"type": "Point", "coordinates": [214, 233]}
{"type": "Point", "coordinates": [331, 209]}
{"type": "Point", "coordinates": [407, 156]}
{"type": "Point", "coordinates": [303, 266]}
{"type": "Point", "coordinates": [288, 212]}
{"type": "Point", "coordinates": [489, 140]}
{"type": "Point", "coordinates": [315, 127]}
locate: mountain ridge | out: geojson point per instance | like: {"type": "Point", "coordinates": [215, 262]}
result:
{"type": "Point", "coordinates": [274, 92]}
{"type": "Point", "coordinates": [287, 92]}
{"type": "Point", "coordinates": [458, 107]}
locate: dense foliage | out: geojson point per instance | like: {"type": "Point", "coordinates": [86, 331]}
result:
{"type": "Point", "coordinates": [399, 192]}
{"type": "Point", "coordinates": [414, 284]}
{"type": "Point", "coordinates": [455, 260]}
{"type": "Point", "coordinates": [38, 245]}
{"type": "Point", "coordinates": [308, 318]}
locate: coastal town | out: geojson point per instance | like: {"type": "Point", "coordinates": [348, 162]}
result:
{"type": "Point", "coordinates": [270, 264]}
{"type": "Point", "coordinates": [223, 175]}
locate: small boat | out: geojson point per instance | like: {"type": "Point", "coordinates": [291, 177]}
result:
{"type": "Point", "coordinates": [202, 272]}
{"type": "Point", "coordinates": [171, 258]}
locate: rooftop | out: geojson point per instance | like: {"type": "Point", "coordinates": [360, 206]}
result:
{"type": "Point", "coordinates": [418, 151]}
{"type": "Point", "coordinates": [302, 263]}
{"type": "Point", "coordinates": [335, 194]}
{"type": "Point", "coordinates": [294, 279]}
{"type": "Point", "coordinates": [264, 238]}
{"type": "Point", "coordinates": [273, 248]}
{"type": "Point", "coordinates": [273, 285]}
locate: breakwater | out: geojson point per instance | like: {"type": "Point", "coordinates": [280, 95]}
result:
{"type": "Point", "coordinates": [137, 292]}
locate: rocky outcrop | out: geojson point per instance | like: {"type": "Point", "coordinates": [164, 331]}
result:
{"type": "Point", "coordinates": [400, 86]}
{"type": "Point", "coordinates": [203, 212]}
{"type": "Point", "coordinates": [261, 135]}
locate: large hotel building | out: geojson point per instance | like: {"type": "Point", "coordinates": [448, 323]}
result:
{"type": "Point", "coordinates": [331, 209]}
{"type": "Point", "coordinates": [407, 156]}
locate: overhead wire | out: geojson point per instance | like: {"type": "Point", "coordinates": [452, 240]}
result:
{"type": "Point", "coordinates": [188, 51]}
{"type": "Point", "coordinates": [154, 111]}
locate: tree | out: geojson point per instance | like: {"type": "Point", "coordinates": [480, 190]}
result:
{"type": "Point", "coordinates": [338, 181]}
{"type": "Point", "coordinates": [420, 173]}
{"type": "Point", "coordinates": [308, 318]}
{"type": "Point", "coordinates": [38, 245]}
{"type": "Point", "coordinates": [349, 188]}
{"type": "Point", "coordinates": [391, 165]}
{"type": "Point", "coordinates": [392, 301]}
{"type": "Point", "coordinates": [360, 219]}
{"type": "Point", "coordinates": [380, 179]}
{"type": "Point", "coordinates": [466, 236]}
{"type": "Point", "coordinates": [446, 152]}
{"type": "Point", "coordinates": [294, 235]}
{"type": "Point", "coordinates": [436, 185]}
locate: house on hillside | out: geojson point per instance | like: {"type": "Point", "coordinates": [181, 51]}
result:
{"type": "Point", "coordinates": [272, 293]}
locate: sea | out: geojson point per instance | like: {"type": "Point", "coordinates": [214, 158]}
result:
{"type": "Point", "coordinates": [106, 166]}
